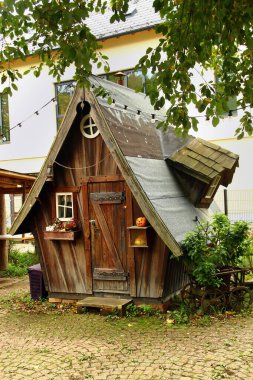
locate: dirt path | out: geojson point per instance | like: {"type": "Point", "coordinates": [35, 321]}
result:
{"type": "Point", "coordinates": [58, 345]}
{"type": "Point", "coordinates": [8, 285]}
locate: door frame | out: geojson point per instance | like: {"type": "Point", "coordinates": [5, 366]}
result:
{"type": "Point", "coordinates": [87, 229]}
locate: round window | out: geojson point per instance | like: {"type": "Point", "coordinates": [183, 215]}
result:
{"type": "Point", "coordinates": [88, 127]}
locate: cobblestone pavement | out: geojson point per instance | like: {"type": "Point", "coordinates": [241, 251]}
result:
{"type": "Point", "coordinates": [68, 346]}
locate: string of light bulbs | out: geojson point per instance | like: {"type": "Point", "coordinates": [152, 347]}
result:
{"type": "Point", "coordinates": [155, 117]}
{"type": "Point", "coordinates": [37, 112]}
{"type": "Point", "coordinates": [125, 108]}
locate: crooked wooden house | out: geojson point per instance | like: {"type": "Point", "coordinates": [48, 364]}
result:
{"type": "Point", "coordinates": [109, 165]}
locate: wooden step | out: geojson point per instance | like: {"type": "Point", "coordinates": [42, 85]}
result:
{"type": "Point", "coordinates": [106, 305]}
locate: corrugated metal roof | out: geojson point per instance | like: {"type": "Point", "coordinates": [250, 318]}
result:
{"type": "Point", "coordinates": [166, 196]}
{"type": "Point", "coordinates": [124, 96]}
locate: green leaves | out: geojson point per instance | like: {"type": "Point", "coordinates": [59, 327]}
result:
{"type": "Point", "coordinates": [197, 37]}
{"type": "Point", "coordinates": [215, 121]}
{"type": "Point", "coordinates": [194, 38]}
{"type": "Point", "coordinates": [213, 245]}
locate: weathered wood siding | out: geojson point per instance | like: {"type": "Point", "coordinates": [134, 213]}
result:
{"type": "Point", "coordinates": [176, 276]}
{"type": "Point", "coordinates": [150, 264]}
{"type": "Point", "coordinates": [83, 164]}
{"type": "Point", "coordinates": [108, 237]}
{"type": "Point", "coordinates": [66, 264]}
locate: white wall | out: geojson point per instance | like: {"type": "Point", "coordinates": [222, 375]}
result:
{"type": "Point", "coordinates": [30, 144]}
{"type": "Point", "coordinates": [243, 178]}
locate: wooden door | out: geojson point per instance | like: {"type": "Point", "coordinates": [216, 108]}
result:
{"type": "Point", "coordinates": [108, 237]}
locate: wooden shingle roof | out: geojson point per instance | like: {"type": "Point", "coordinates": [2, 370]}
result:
{"type": "Point", "coordinates": [205, 161]}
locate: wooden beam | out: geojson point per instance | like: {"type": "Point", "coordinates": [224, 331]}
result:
{"type": "Point", "coordinates": [130, 250]}
{"type": "Point", "coordinates": [15, 175]}
{"type": "Point", "coordinates": [13, 190]}
{"type": "Point", "coordinates": [67, 189]}
{"type": "Point", "coordinates": [87, 239]}
{"type": "Point", "coordinates": [16, 237]}
{"type": "Point", "coordinates": [3, 243]}
{"type": "Point", "coordinates": [57, 144]}
{"type": "Point", "coordinates": [103, 178]}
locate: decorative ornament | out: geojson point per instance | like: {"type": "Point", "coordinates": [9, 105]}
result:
{"type": "Point", "coordinates": [141, 221]}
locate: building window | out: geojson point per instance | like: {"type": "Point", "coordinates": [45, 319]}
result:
{"type": "Point", "coordinates": [4, 118]}
{"type": "Point", "coordinates": [131, 79]}
{"type": "Point", "coordinates": [64, 206]}
{"type": "Point", "coordinates": [64, 92]}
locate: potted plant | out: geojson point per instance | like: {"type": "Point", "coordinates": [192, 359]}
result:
{"type": "Point", "coordinates": [62, 230]}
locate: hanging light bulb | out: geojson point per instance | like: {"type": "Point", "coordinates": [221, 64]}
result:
{"type": "Point", "coordinates": [138, 114]}
{"type": "Point", "coordinates": [153, 118]}
{"type": "Point", "coordinates": [50, 173]}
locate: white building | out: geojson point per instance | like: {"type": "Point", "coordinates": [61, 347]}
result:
{"type": "Point", "coordinates": [32, 115]}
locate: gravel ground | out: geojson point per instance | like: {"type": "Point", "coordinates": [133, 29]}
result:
{"type": "Point", "coordinates": [49, 343]}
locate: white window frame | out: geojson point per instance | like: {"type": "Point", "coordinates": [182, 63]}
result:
{"type": "Point", "coordinates": [89, 126]}
{"type": "Point", "coordinates": [65, 194]}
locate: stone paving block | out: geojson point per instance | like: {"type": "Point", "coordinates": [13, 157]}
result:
{"type": "Point", "coordinates": [58, 349]}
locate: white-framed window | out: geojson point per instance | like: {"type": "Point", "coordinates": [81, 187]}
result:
{"type": "Point", "coordinates": [88, 127]}
{"type": "Point", "coordinates": [64, 206]}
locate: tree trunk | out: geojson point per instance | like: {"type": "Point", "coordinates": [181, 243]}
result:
{"type": "Point", "coordinates": [3, 243]}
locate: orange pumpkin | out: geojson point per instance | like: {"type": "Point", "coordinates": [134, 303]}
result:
{"type": "Point", "coordinates": [141, 221]}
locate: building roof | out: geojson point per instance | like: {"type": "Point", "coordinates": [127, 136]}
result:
{"type": "Point", "coordinates": [141, 15]}
{"type": "Point", "coordinates": [140, 151]}
{"type": "Point", "coordinates": [205, 161]}
{"type": "Point", "coordinates": [13, 182]}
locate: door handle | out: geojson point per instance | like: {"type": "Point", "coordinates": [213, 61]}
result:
{"type": "Point", "coordinates": [92, 222]}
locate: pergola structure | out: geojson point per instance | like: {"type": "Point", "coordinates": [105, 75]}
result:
{"type": "Point", "coordinates": [10, 183]}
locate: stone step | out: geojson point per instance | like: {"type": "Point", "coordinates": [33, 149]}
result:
{"type": "Point", "coordinates": [106, 305]}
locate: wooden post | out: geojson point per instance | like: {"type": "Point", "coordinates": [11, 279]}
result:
{"type": "Point", "coordinates": [225, 202]}
{"type": "Point", "coordinates": [3, 243]}
{"type": "Point", "coordinates": [23, 200]}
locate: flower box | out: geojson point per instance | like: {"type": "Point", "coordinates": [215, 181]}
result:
{"type": "Point", "coordinates": [61, 235]}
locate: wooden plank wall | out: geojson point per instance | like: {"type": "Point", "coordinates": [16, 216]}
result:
{"type": "Point", "coordinates": [150, 264]}
{"type": "Point", "coordinates": [66, 265]}
{"type": "Point", "coordinates": [176, 276]}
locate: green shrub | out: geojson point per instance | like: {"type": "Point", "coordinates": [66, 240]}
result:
{"type": "Point", "coordinates": [19, 262]}
{"type": "Point", "coordinates": [247, 259]}
{"type": "Point", "coordinates": [179, 316]}
{"type": "Point", "coordinates": [213, 245]}
{"type": "Point", "coordinates": [136, 311]}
